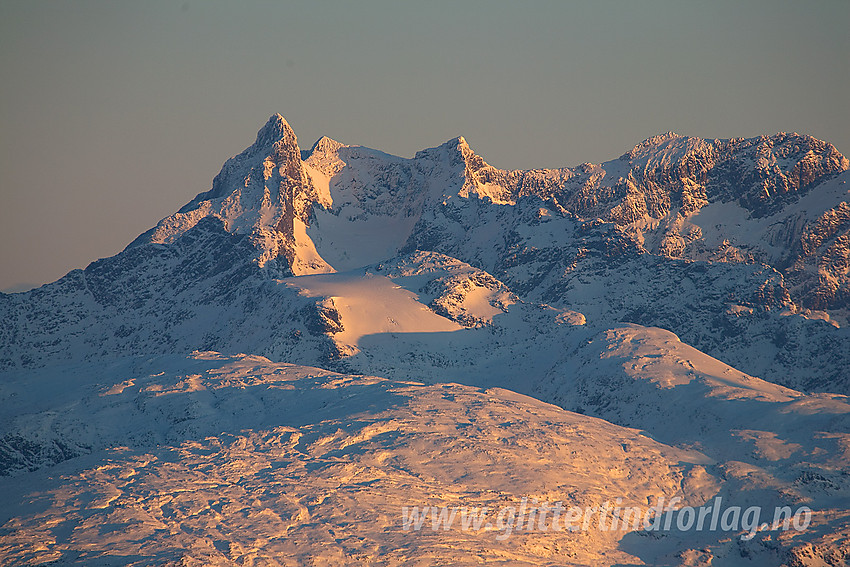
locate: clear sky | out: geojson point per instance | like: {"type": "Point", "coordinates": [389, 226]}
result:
{"type": "Point", "coordinates": [114, 114]}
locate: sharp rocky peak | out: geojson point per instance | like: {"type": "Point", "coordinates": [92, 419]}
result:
{"type": "Point", "coordinates": [325, 145]}
{"type": "Point", "coordinates": [460, 145]}
{"type": "Point", "coordinates": [457, 151]}
{"type": "Point", "coordinates": [277, 129]}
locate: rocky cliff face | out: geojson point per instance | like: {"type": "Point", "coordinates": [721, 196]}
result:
{"type": "Point", "coordinates": [202, 291]}
{"type": "Point", "coordinates": [761, 174]}
{"type": "Point", "coordinates": [817, 266]}
{"type": "Point", "coordinates": [763, 182]}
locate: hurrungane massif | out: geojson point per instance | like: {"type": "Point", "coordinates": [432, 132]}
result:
{"type": "Point", "coordinates": [339, 356]}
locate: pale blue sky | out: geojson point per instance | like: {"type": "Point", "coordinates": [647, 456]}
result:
{"type": "Point", "coordinates": [114, 114]}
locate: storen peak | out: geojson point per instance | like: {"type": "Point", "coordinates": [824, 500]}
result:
{"type": "Point", "coordinates": [275, 130]}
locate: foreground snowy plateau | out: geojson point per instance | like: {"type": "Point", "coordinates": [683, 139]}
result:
{"type": "Point", "coordinates": [331, 341]}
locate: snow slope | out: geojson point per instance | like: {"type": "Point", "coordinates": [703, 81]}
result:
{"type": "Point", "coordinates": [221, 460]}
{"type": "Point", "coordinates": [368, 304]}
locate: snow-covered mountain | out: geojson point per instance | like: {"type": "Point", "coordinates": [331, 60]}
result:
{"type": "Point", "coordinates": [478, 294]}
{"type": "Point", "coordinates": [337, 208]}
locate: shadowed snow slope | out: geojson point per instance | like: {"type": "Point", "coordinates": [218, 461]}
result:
{"type": "Point", "coordinates": [220, 460]}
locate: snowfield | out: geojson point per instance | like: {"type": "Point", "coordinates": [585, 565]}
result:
{"type": "Point", "coordinates": [217, 460]}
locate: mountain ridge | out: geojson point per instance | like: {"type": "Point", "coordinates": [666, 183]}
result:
{"type": "Point", "coordinates": [656, 191]}
{"type": "Point", "coordinates": [347, 207]}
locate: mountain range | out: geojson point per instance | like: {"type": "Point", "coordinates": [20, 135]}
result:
{"type": "Point", "coordinates": [329, 335]}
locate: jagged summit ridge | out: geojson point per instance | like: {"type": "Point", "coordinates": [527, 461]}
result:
{"type": "Point", "coordinates": [339, 206]}
{"type": "Point", "coordinates": [650, 144]}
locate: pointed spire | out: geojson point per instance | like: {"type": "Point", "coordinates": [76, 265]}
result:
{"type": "Point", "coordinates": [325, 145]}
{"type": "Point", "coordinates": [275, 130]}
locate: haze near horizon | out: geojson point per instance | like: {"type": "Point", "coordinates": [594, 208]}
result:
{"type": "Point", "coordinates": [116, 114]}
